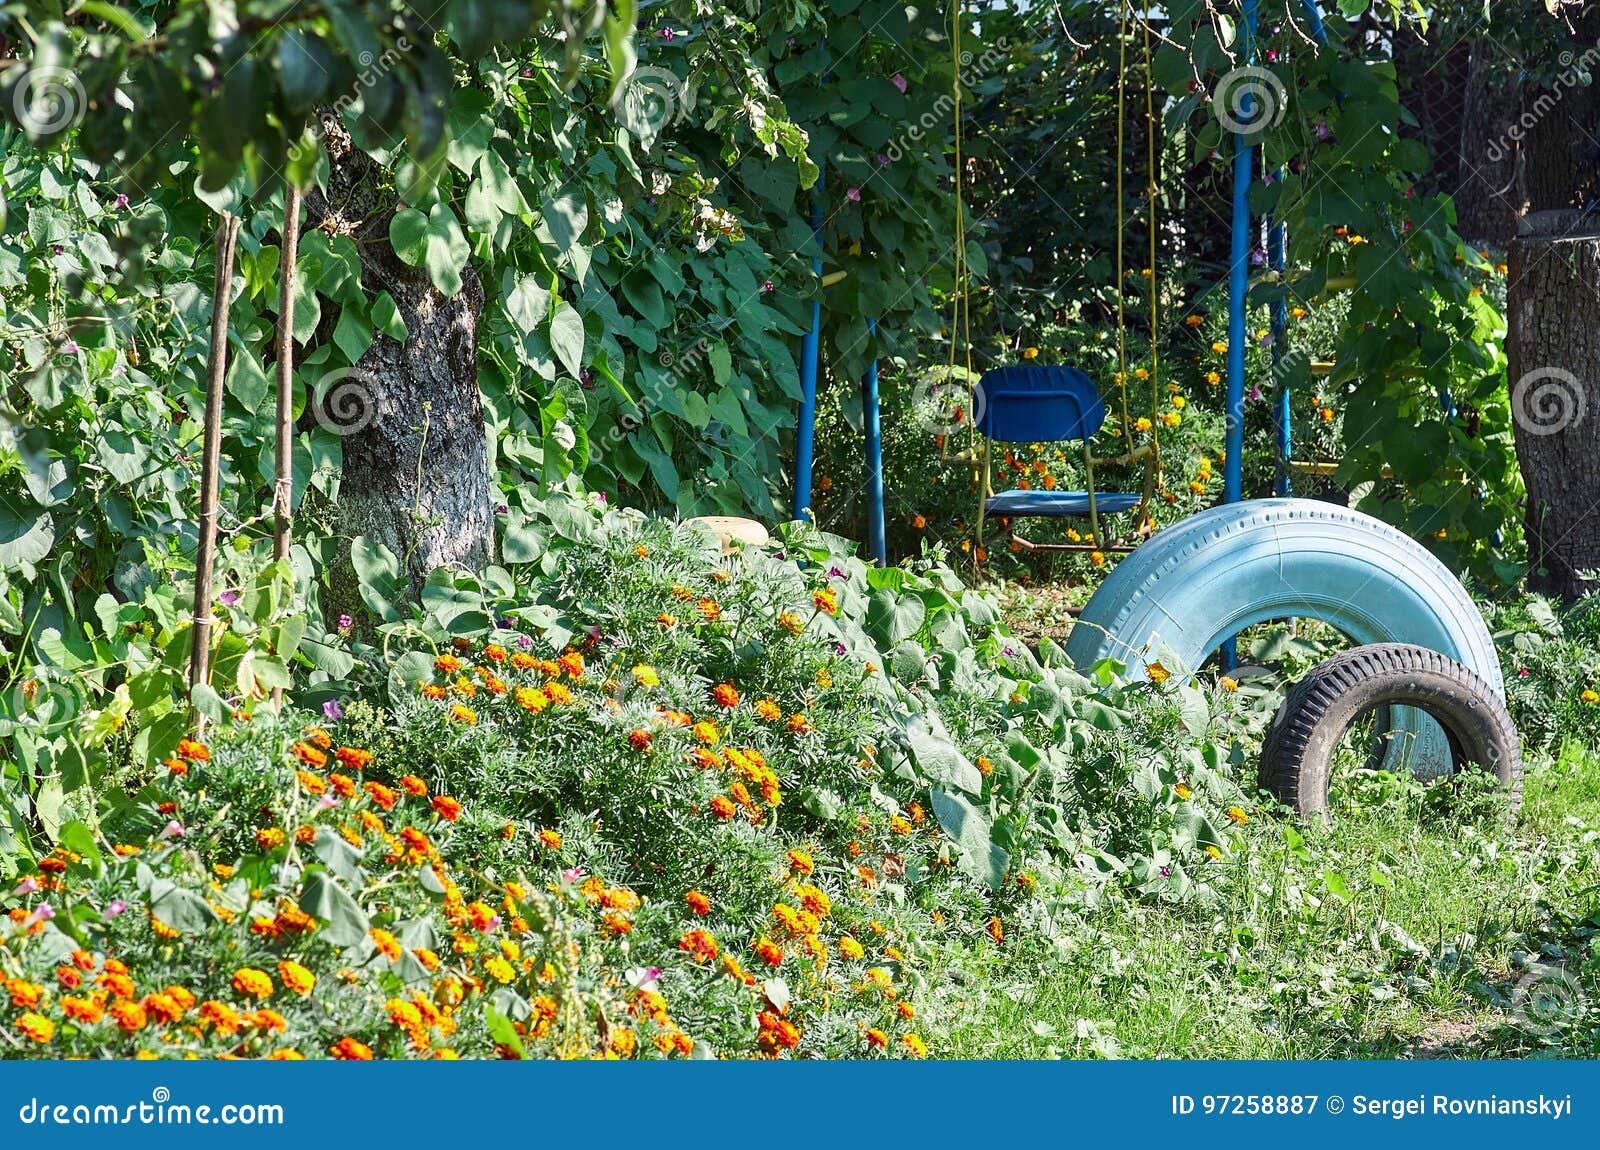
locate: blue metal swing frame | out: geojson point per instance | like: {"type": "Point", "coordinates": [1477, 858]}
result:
{"type": "Point", "coordinates": [1238, 292]}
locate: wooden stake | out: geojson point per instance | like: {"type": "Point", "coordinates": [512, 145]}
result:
{"type": "Point", "coordinates": [283, 488]}
{"type": "Point", "coordinates": [211, 453]}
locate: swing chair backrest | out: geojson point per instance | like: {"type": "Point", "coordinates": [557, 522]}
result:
{"type": "Point", "coordinates": [1038, 404]}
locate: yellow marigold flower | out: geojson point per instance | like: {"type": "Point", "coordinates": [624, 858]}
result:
{"type": "Point", "coordinates": [1238, 815]}
{"type": "Point", "coordinates": [899, 825]}
{"type": "Point", "coordinates": [1213, 852]}
{"type": "Point", "coordinates": [252, 983]}
{"type": "Point", "coordinates": [1194, 320]}
{"type": "Point", "coordinates": [996, 930]}
{"type": "Point", "coordinates": [1213, 378]}
{"type": "Point", "coordinates": [666, 621]}
{"type": "Point", "coordinates": [826, 601]}
{"type": "Point", "coordinates": [875, 1038]}
{"type": "Point", "coordinates": [551, 839]}
{"type": "Point", "coordinates": [799, 724]}
{"type": "Point", "coordinates": [462, 713]}
{"type": "Point", "coordinates": [645, 675]}
{"type": "Point", "coordinates": [801, 863]}
{"type": "Point", "coordinates": [1298, 312]}
{"type": "Point", "coordinates": [1183, 792]}
{"type": "Point", "coordinates": [1157, 673]}
{"type": "Point", "coordinates": [791, 622]}
{"type": "Point", "coordinates": [269, 838]}
{"type": "Point", "coordinates": [706, 731]}
{"type": "Point", "coordinates": [35, 1027]}
{"type": "Point", "coordinates": [500, 970]}
{"type": "Point", "coordinates": [769, 710]}
{"type": "Point", "coordinates": [1229, 684]}
{"type": "Point", "coordinates": [914, 1046]}
{"type": "Point", "coordinates": [850, 948]}
{"type": "Point", "coordinates": [1030, 353]}
{"type": "Point", "coordinates": [1140, 373]}
{"type": "Point", "coordinates": [1589, 695]}
{"type": "Point", "coordinates": [1220, 347]}
{"type": "Point", "coordinates": [1141, 424]}
{"type": "Point", "coordinates": [769, 952]}
{"type": "Point", "coordinates": [723, 808]}
{"type": "Point", "coordinates": [1098, 558]}
{"type": "Point", "coordinates": [296, 977]}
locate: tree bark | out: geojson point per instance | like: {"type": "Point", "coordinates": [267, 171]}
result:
{"type": "Point", "coordinates": [416, 459]}
{"type": "Point", "coordinates": [1553, 347]}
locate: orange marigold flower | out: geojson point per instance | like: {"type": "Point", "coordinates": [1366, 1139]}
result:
{"type": "Point", "coordinates": [699, 945]}
{"type": "Point", "coordinates": [826, 601]}
{"type": "Point", "coordinates": [769, 952]}
{"type": "Point", "coordinates": [709, 609]}
{"type": "Point", "coordinates": [875, 1038]}
{"type": "Point", "coordinates": [194, 751]}
{"type": "Point", "coordinates": [387, 944]}
{"type": "Point", "coordinates": [86, 1010]}
{"type": "Point", "coordinates": [725, 695]}
{"type": "Point", "coordinates": [129, 1016]}
{"type": "Point", "coordinates": [177, 767]}
{"type": "Point", "coordinates": [432, 691]}
{"type": "Point", "coordinates": [413, 785]}
{"type": "Point", "coordinates": [269, 838]}
{"type": "Point", "coordinates": [447, 664]}
{"type": "Point", "coordinates": [354, 757]}
{"type": "Point", "coordinates": [383, 796]}
{"type": "Point", "coordinates": [446, 808]}
{"type": "Point", "coordinates": [24, 994]}
{"type": "Point", "coordinates": [791, 622]}
{"type": "Point", "coordinates": [551, 839]}
{"type": "Point", "coordinates": [311, 756]}
{"type": "Point", "coordinates": [252, 983]}
{"type": "Point", "coordinates": [462, 713]}
{"type": "Point", "coordinates": [495, 653]}
{"type": "Point", "coordinates": [640, 740]}
{"type": "Point", "coordinates": [801, 863]}
{"type": "Point", "coordinates": [698, 902]}
{"type": "Point", "coordinates": [349, 1050]}
{"type": "Point", "coordinates": [706, 731]}
{"type": "Point", "coordinates": [769, 711]}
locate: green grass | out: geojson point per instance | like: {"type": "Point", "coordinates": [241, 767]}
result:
{"type": "Point", "coordinates": [1400, 930]}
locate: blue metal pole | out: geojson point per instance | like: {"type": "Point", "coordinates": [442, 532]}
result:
{"type": "Point", "coordinates": [806, 432]}
{"type": "Point", "coordinates": [1314, 18]}
{"type": "Point", "coordinates": [1239, 282]}
{"type": "Point", "coordinates": [869, 416]}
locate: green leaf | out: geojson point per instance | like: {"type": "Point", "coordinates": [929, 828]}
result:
{"type": "Point", "coordinates": [940, 760]}
{"type": "Point", "coordinates": [892, 618]}
{"type": "Point", "coordinates": [323, 896]}
{"type": "Point", "coordinates": [982, 858]}
{"type": "Point", "coordinates": [434, 241]}
{"type": "Point", "coordinates": [566, 337]}
{"type": "Point", "coordinates": [386, 317]}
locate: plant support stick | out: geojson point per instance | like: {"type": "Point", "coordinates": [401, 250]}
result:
{"type": "Point", "coordinates": [283, 488]}
{"type": "Point", "coordinates": [210, 460]}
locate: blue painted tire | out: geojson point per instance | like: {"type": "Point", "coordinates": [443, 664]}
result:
{"type": "Point", "coordinates": [1195, 584]}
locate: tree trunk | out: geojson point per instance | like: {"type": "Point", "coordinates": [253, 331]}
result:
{"type": "Point", "coordinates": [1553, 345]}
{"type": "Point", "coordinates": [1487, 195]}
{"type": "Point", "coordinates": [416, 460]}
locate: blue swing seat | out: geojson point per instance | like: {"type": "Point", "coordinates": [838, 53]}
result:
{"type": "Point", "coordinates": [1020, 504]}
{"type": "Point", "coordinates": [1044, 404]}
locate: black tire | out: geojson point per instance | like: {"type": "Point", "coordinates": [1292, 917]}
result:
{"type": "Point", "coordinates": [1298, 754]}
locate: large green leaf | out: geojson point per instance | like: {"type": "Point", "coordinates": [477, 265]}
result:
{"type": "Point", "coordinates": [323, 896]}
